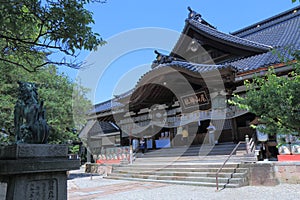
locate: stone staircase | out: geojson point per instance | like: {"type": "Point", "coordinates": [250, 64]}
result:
{"type": "Point", "coordinates": [196, 165]}
{"type": "Point", "coordinates": [203, 154]}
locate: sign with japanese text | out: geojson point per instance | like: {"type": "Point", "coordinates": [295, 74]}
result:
{"type": "Point", "coordinates": [193, 100]}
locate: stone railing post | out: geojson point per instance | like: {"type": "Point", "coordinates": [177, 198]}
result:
{"type": "Point", "coordinates": [247, 144]}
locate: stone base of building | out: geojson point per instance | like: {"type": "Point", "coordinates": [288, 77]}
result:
{"type": "Point", "coordinates": [288, 172]}
{"type": "Point", "coordinates": [273, 173]}
{"type": "Point", "coordinates": [261, 174]}
{"type": "Point", "coordinates": [100, 169]}
{"type": "Point", "coordinates": [35, 171]}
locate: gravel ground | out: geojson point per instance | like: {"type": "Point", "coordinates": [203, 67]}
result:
{"type": "Point", "coordinates": [177, 192]}
{"type": "Point", "coordinates": [149, 190]}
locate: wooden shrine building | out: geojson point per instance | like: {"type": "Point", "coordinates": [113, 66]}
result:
{"type": "Point", "coordinates": [190, 87]}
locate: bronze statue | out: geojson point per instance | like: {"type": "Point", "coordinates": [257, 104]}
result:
{"type": "Point", "coordinates": [29, 116]}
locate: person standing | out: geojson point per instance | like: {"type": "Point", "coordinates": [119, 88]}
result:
{"type": "Point", "coordinates": [185, 136]}
{"type": "Point", "coordinates": [143, 145]}
{"type": "Point", "coordinates": [211, 133]}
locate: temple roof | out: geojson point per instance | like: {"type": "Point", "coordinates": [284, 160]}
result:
{"type": "Point", "coordinates": [229, 39]}
{"type": "Point", "coordinates": [187, 66]}
{"type": "Point", "coordinates": [278, 30]}
{"type": "Point", "coordinates": [105, 106]}
{"type": "Point", "coordinates": [261, 60]}
{"type": "Point", "coordinates": [280, 33]}
{"type": "Point", "coordinates": [194, 67]}
{"type": "Point", "coordinates": [101, 127]}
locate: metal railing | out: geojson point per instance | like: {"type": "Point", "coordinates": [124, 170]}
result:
{"type": "Point", "coordinates": [219, 170]}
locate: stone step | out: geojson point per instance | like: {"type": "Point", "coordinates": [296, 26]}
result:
{"type": "Point", "coordinates": [222, 180]}
{"type": "Point", "coordinates": [191, 166]}
{"type": "Point", "coordinates": [185, 165]}
{"type": "Point", "coordinates": [169, 169]}
{"type": "Point", "coordinates": [196, 159]}
{"type": "Point", "coordinates": [194, 151]}
{"type": "Point", "coordinates": [202, 174]}
{"type": "Point", "coordinates": [205, 184]}
{"type": "Point", "coordinates": [184, 173]}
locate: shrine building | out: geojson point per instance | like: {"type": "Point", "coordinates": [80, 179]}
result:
{"type": "Point", "coordinates": [189, 88]}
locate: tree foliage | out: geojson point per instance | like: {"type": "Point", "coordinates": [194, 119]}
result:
{"type": "Point", "coordinates": [57, 92]}
{"type": "Point", "coordinates": [32, 29]}
{"type": "Point", "coordinates": [275, 99]}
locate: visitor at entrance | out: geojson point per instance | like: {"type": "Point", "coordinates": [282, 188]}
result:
{"type": "Point", "coordinates": [135, 145]}
{"type": "Point", "coordinates": [185, 136]}
{"type": "Point", "coordinates": [142, 145]}
{"type": "Point", "coordinates": [211, 133]}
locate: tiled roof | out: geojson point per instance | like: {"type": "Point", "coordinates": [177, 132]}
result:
{"type": "Point", "coordinates": [261, 60]}
{"type": "Point", "coordinates": [272, 22]}
{"type": "Point", "coordinates": [229, 39]}
{"type": "Point", "coordinates": [105, 106]}
{"type": "Point", "coordinates": [110, 104]}
{"type": "Point", "coordinates": [281, 31]}
{"type": "Point", "coordinates": [101, 127]}
{"type": "Point", "coordinates": [194, 67]}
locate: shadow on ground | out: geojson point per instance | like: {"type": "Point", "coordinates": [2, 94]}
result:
{"type": "Point", "coordinates": [80, 175]}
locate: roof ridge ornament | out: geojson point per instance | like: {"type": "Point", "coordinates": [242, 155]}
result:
{"type": "Point", "coordinates": [161, 59]}
{"type": "Point", "coordinates": [193, 15]}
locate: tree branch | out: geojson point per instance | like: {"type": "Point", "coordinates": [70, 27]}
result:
{"type": "Point", "coordinates": [16, 63]}
{"type": "Point", "coordinates": [38, 44]}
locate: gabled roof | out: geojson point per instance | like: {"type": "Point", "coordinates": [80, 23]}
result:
{"type": "Point", "coordinates": [281, 31]}
{"type": "Point", "coordinates": [228, 39]}
{"type": "Point", "coordinates": [192, 67]}
{"type": "Point", "coordinates": [101, 127]}
{"type": "Point", "coordinates": [276, 31]}
{"type": "Point", "coordinates": [94, 128]}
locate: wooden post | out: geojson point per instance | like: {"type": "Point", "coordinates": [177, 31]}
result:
{"type": "Point", "coordinates": [235, 137]}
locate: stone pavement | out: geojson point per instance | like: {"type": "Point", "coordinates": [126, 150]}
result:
{"type": "Point", "coordinates": [84, 187]}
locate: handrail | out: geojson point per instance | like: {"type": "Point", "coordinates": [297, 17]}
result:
{"type": "Point", "coordinates": [219, 170]}
{"type": "Point", "coordinates": [251, 145]}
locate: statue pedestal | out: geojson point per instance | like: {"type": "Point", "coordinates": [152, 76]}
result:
{"type": "Point", "coordinates": [35, 171]}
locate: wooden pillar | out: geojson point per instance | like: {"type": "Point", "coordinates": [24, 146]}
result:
{"type": "Point", "coordinates": [88, 156]}
{"type": "Point", "coordinates": [171, 133]}
{"type": "Point", "coordinates": [235, 134]}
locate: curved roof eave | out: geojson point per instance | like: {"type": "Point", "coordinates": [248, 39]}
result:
{"type": "Point", "coordinates": [188, 66]}
{"type": "Point", "coordinates": [228, 39]}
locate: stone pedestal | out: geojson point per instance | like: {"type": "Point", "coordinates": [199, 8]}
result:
{"type": "Point", "coordinates": [261, 174]}
{"type": "Point", "coordinates": [35, 171]}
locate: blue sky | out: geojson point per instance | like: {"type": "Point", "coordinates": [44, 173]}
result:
{"type": "Point", "coordinates": [117, 16]}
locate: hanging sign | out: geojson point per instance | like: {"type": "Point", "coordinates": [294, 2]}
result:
{"type": "Point", "coordinates": [193, 100]}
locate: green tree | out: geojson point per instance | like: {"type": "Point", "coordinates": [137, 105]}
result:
{"type": "Point", "coordinates": [275, 99]}
{"type": "Point", "coordinates": [33, 29]}
{"type": "Point", "coordinates": [57, 92]}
